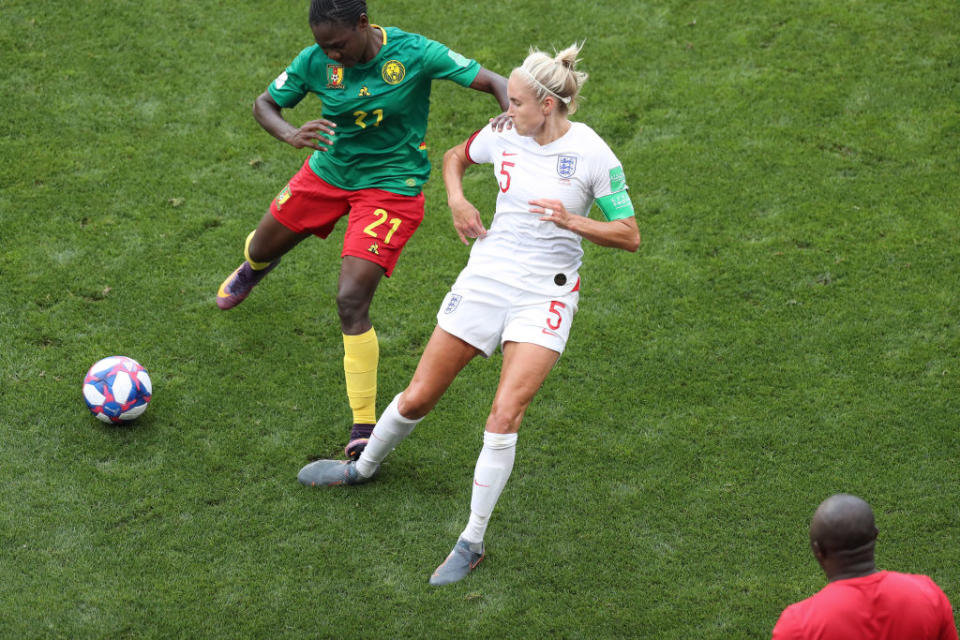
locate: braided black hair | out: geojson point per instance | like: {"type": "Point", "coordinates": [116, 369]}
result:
{"type": "Point", "coordinates": [346, 12]}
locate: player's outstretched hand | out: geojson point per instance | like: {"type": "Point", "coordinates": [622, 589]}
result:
{"type": "Point", "coordinates": [501, 122]}
{"type": "Point", "coordinates": [466, 220]}
{"type": "Point", "coordinates": [552, 211]}
{"type": "Point", "coordinates": [315, 134]}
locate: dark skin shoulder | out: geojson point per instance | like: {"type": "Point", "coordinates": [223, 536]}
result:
{"type": "Point", "coordinates": [496, 85]}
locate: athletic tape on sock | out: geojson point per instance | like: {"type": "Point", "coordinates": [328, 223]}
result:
{"type": "Point", "coordinates": [256, 266]}
{"type": "Point", "coordinates": [361, 357]}
{"type": "Point", "coordinates": [499, 440]}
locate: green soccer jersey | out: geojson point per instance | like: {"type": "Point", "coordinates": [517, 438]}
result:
{"type": "Point", "coordinates": [380, 108]}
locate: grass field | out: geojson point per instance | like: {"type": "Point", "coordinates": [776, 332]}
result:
{"type": "Point", "coordinates": [790, 328]}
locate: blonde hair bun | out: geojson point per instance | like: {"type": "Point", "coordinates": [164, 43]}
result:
{"type": "Point", "coordinates": [556, 76]}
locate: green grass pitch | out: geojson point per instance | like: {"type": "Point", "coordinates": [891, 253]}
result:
{"type": "Point", "coordinates": [790, 328]}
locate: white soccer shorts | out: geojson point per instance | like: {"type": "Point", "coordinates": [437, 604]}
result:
{"type": "Point", "coordinates": [484, 313]}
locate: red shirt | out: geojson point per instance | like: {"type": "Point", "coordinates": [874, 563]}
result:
{"type": "Point", "coordinates": [882, 606]}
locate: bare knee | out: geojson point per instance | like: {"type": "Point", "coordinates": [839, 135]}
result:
{"type": "Point", "coordinates": [353, 309]}
{"type": "Point", "coordinates": [504, 418]}
{"type": "Point", "coordinates": [415, 402]}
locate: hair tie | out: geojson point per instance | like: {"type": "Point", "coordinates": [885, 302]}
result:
{"type": "Point", "coordinates": [544, 87]}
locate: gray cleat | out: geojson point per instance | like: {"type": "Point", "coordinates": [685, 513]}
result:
{"type": "Point", "coordinates": [330, 473]}
{"type": "Point", "coordinates": [464, 557]}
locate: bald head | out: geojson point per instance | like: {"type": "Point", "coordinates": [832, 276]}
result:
{"type": "Point", "coordinates": [843, 526]}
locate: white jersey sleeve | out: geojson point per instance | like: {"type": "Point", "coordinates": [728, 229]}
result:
{"type": "Point", "coordinates": [608, 183]}
{"type": "Point", "coordinates": [481, 146]}
{"type": "Point", "coordinates": [606, 172]}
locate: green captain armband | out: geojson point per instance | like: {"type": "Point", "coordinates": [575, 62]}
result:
{"type": "Point", "coordinates": [616, 206]}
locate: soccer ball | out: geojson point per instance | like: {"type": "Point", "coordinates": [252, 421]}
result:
{"type": "Point", "coordinates": [117, 389]}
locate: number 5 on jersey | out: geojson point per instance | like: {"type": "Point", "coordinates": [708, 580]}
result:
{"type": "Point", "coordinates": [504, 165]}
{"type": "Point", "coordinates": [505, 184]}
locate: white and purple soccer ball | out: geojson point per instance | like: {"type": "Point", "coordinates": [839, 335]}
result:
{"type": "Point", "coordinates": [117, 389]}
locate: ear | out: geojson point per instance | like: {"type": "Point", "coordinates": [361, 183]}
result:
{"type": "Point", "coordinates": [548, 105]}
{"type": "Point", "coordinates": [818, 552]}
{"type": "Point", "coordinates": [363, 22]}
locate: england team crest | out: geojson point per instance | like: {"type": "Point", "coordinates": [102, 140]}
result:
{"type": "Point", "coordinates": [566, 166]}
{"type": "Point", "coordinates": [452, 303]}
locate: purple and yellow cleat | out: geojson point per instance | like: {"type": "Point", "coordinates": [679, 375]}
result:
{"type": "Point", "coordinates": [238, 285]}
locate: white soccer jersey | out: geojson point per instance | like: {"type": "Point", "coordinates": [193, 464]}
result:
{"type": "Point", "coordinates": [519, 248]}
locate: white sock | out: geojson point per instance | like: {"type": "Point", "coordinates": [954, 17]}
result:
{"type": "Point", "coordinates": [490, 476]}
{"type": "Point", "coordinates": [390, 429]}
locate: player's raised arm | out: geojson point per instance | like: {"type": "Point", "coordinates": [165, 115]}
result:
{"type": "Point", "coordinates": [315, 134]}
{"type": "Point", "coordinates": [494, 83]}
{"type": "Point", "coordinates": [466, 217]}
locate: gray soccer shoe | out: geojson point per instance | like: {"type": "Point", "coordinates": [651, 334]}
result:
{"type": "Point", "coordinates": [330, 473]}
{"type": "Point", "coordinates": [461, 561]}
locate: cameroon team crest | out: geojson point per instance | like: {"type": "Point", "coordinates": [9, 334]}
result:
{"type": "Point", "coordinates": [393, 72]}
{"type": "Point", "coordinates": [283, 196]}
{"type": "Point", "coordinates": [334, 76]}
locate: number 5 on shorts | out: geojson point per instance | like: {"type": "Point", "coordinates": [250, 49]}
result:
{"type": "Point", "coordinates": [555, 307]}
{"type": "Point", "coordinates": [381, 218]}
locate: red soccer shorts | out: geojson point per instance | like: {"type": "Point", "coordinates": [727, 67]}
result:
{"type": "Point", "coordinates": [379, 222]}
